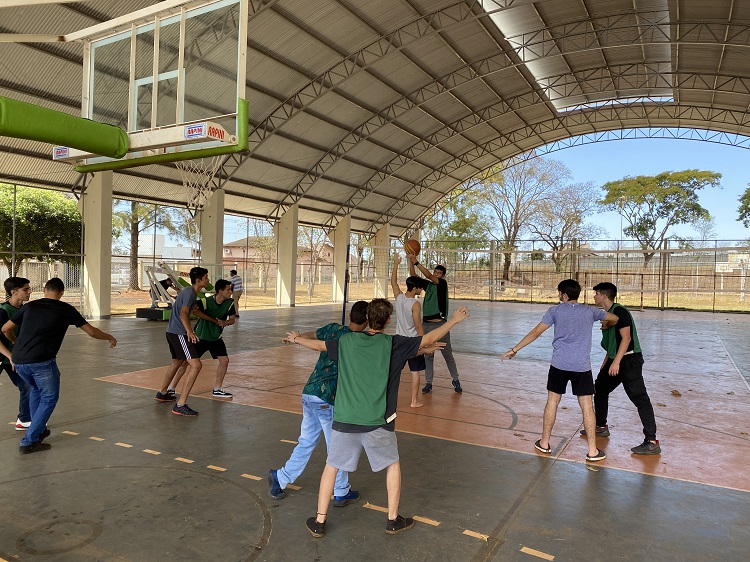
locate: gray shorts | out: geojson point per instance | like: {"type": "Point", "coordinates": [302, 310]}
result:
{"type": "Point", "coordinates": [380, 445]}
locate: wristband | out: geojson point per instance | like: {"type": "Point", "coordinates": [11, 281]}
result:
{"type": "Point", "coordinates": [513, 349]}
{"type": "Point", "coordinates": [416, 263]}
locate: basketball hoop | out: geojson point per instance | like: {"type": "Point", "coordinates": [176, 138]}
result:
{"type": "Point", "coordinates": [196, 177]}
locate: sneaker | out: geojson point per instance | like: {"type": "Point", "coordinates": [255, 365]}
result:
{"type": "Point", "coordinates": [599, 456]}
{"type": "Point", "coordinates": [22, 426]}
{"type": "Point", "coordinates": [457, 386]}
{"type": "Point", "coordinates": [46, 433]}
{"type": "Point", "coordinates": [538, 447]}
{"type": "Point", "coordinates": [316, 529]}
{"type": "Point", "coordinates": [34, 448]}
{"type": "Point", "coordinates": [427, 388]}
{"type": "Point", "coordinates": [647, 448]}
{"type": "Point", "coordinates": [168, 396]}
{"type": "Point", "coordinates": [601, 431]}
{"type": "Point", "coordinates": [343, 501]}
{"type": "Point", "coordinates": [274, 488]}
{"type": "Point", "coordinates": [398, 525]}
{"type": "Point", "coordinates": [219, 393]}
{"type": "Point", "coordinates": [184, 410]}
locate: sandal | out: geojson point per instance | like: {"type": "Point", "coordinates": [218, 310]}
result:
{"type": "Point", "coordinates": [538, 446]}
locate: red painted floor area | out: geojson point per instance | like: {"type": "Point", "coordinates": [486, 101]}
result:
{"type": "Point", "coordinates": [702, 414]}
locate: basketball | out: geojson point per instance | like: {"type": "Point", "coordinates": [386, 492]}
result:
{"type": "Point", "coordinates": [412, 247]}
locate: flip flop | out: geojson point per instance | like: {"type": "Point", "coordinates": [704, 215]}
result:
{"type": "Point", "coordinates": [538, 446]}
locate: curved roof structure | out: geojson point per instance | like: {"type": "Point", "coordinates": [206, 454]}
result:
{"type": "Point", "coordinates": [380, 108]}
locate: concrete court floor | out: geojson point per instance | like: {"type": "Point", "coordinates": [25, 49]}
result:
{"type": "Point", "coordinates": [117, 484]}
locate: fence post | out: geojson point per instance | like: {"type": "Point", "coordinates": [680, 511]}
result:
{"type": "Point", "coordinates": [642, 288]}
{"type": "Point", "coordinates": [493, 249]}
{"type": "Point", "coordinates": [663, 288]}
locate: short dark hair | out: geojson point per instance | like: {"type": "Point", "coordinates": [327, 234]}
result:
{"type": "Point", "coordinates": [232, 272]}
{"type": "Point", "coordinates": [570, 287]}
{"type": "Point", "coordinates": [416, 281]}
{"type": "Point", "coordinates": [13, 283]}
{"type": "Point", "coordinates": [197, 273]}
{"type": "Point", "coordinates": [607, 289]}
{"type": "Point", "coordinates": [358, 313]}
{"type": "Point", "coordinates": [378, 313]}
{"type": "Point", "coordinates": [222, 284]}
{"type": "Point", "coordinates": [55, 285]}
{"type": "Point", "coordinates": [441, 268]}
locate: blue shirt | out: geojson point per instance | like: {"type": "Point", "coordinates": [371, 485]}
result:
{"type": "Point", "coordinates": [185, 298]}
{"type": "Point", "coordinates": [571, 344]}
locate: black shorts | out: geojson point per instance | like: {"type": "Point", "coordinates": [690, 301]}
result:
{"type": "Point", "coordinates": [416, 363]}
{"type": "Point", "coordinates": [180, 347]}
{"type": "Point", "coordinates": [217, 348]}
{"type": "Point", "coordinates": [582, 383]}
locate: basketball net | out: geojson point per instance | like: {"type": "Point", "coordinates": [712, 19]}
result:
{"type": "Point", "coordinates": [196, 177]}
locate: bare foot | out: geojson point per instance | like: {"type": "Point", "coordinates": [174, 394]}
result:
{"type": "Point", "coordinates": [417, 404]}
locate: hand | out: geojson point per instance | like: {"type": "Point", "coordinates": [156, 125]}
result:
{"type": "Point", "coordinates": [510, 354]}
{"type": "Point", "coordinates": [437, 346]}
{"type": "Point", "coordinates": [112, 342]}
{"type": "Point", "coordinates": [614, 369]}
{"type": "Point", "coordinates": [411, 257]}
{"type": "Point", "coordinates": [221, 323]}
{"type": "Point", "coordinates": [291, 337]}
{"type": "Point", "coordinates": [192, 338]}
{"type": "Point", "coordinates": [461, 314]}
{"type": "Point", "coordinates": [396, 260]}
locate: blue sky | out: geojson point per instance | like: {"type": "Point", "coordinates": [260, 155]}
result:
{"type": "Point", "coordinates": [612, 160]}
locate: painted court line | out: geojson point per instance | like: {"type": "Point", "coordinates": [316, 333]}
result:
{"type": "Point", "coordinates": [70, 433]}
{"type": "Point", "coordinates": [425, 520]}
{"type": "Point", "coordinates": [126, 445]}
{"type": "Point", "coordinates": [287, 441]}
{"type": "Point", "coordinates": [537, 553]}
{"type": "Point", "coordinates": [216, 468]}
{"type": "Point", "coordinates": [251, 476]}
{"type": "Point", "coordinates": [188, 461]}
{"type": "Point", "coordinates": [151, 452]}
{"type": "Point", "coordinates": [476, 535]}
{"type": "Point", "coordinates": [96, 438]}
{"type": "Point", "coordinates": [375, 507]}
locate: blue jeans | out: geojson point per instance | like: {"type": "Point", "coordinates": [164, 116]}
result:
{"type": "Point", "coordinates": [44, 381]}
{"type": "Point", "coordinates": [317, 417]}
{"type": "Point", "coordinates": [24, 412]}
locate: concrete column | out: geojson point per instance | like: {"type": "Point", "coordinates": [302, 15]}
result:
{"type": "Point", "coordinates": [211, 224]}
{"type": "Point", "coordinates": [340, 237]}
{"type": "Point", "coordinates": [382, 254]}
{"type": "Point", "coordinates": [286, 274]}
{"type": "Point", "coordinates": [96, 209]}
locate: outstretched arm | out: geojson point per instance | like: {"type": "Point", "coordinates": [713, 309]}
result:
{"type": "Point", "coordinates": [309, 343]}
{"type": "Point", "coordinates": [97, 334]}
{"type": "Point", "coordinates": [459, 316]}
{"type": "Point", "coordinates": [423, 270]}
{"type": "Point", "coordinates": [538, 330]}
{"type": "Point", "coordinates": [394, 276]}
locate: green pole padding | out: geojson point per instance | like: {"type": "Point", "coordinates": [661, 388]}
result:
{"type": "Point", "coordinates": [27, 121]}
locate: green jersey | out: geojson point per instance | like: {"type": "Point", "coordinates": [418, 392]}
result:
{"type": "Point", "coordinates": [208, 331]}
{"type": "Point", "coordinates": [611, 337]}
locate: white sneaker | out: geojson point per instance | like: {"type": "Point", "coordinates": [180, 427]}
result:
{"type": "Point", "coordinates": [22, 426]}
{"type": "Point", "coordinates": [219, 393]}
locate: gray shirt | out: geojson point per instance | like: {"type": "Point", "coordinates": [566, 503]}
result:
{"type": "Point", "coordinates": [571, 344]}
{"type": "Point", "coordinates": [186, 298]}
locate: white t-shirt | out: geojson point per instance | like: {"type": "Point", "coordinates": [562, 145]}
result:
{"type": "Point", "coordinates": [236, 283]}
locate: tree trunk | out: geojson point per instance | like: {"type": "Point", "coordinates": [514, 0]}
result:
{"type": "Point", "coordinates": [134, 281]}
{"type": "Point", "coordinates": [506, 266]}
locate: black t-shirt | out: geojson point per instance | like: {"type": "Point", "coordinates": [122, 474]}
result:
{"type": "Point", "coordinates": [166, 283]}
{"type": "Point", "coordinates": [403, 349]}
{"type": "Point", "coordinates": [623, 321]}
{"type": "Point", "coordinates": [43, 324]}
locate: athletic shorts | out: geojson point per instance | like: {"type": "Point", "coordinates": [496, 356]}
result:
{"type": "Point", "coordinates": [582, 383]}
{"type": "Point", "coordinates": [180, 347]}
{"type": "Point", "coordinates": [380, 445]}
{"type": "Point", "coordinates": [416, 363]}
{"type": "Point", "coordinates": [217, 348]}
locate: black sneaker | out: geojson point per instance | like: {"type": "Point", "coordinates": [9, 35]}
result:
{"type": "Point", "coordinates": [184, 410]}
{"type": "Point", "coordinates": [46, 433]}
{"type": "Point", "coordinates": [219, 393]}
{"type": "Point", "coordinates": [599, 456]}
{"type": "Point", "coordinates": [398, 525]}
{"type": "Point", "coordinates": [166, 397]}
{"type": "Point", "coordinates": [601, 431]}
{"type": "Point", "coordinates": [427, 388]}
{"type": "Point", "coordinates": [457, 386]}
{"type": "Point", "coordinates": [34, 448]}
{"type": "Point", "coordinates": [316, 529]}
{"type": "Point", "coordinates": [343, 501]}
{"type": "Point", "coordinates": [647, 448]}
{"type": "Point", "coordinates": [274, 488]}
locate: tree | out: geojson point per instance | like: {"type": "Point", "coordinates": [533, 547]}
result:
{"type": "Point", "coordinates": [705, 228]}
{"type": "Point", "coordinates": [131, 218]}
{"type": "Point", "coordinates": [360, 243]}
{"type": "Point", "coordinates": [515, 191]}
{"type": "Point", "coordinates": [744, 209]}
{"type": "Point", "coordinates": [264, 244]}
{"type": "Point", "coordinates": [651, 205]}
{"type": "Point", "coordinates": [47, 226]}
{"type": "Point", "coordinates": [560, 219]}
{"type": "Point", "coordinates": [311, 241]}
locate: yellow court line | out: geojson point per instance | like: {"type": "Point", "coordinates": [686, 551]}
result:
{"type": "Point", "coordinates": [216, 468]}
{"type": "Point", "coordinates": [126, 445]}
{"type": "Point", "coordinates": [368, 505]}
{"type": "Point", "coordinates": [476, 535]}
{"type": "Point", "coordinates": [537, 553]}
{"type": "Point", "coordinates": [70, 433]}
{"type": "Point", "coordinates": [251, 476]}
{"type": "Point", "coordinates": [151, 452]}
{"type": "Point", "coordinates": [425, 520]}
{"type": "Point", "coordinates": [188, 461]}
{"type": "Point", "coordinates": [97, 438]}
{"type": "Point", "coordinates": [293, 487]}
{"type": "Point", "coordinates": [287, 441]}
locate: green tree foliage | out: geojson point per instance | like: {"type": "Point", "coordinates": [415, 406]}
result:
{"type": "Point", "coordinates": [47, 226]}
{"type": "Point", "coordinates": [744, 209]}
{"type": "Point", "coordinates": [651, 205]}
